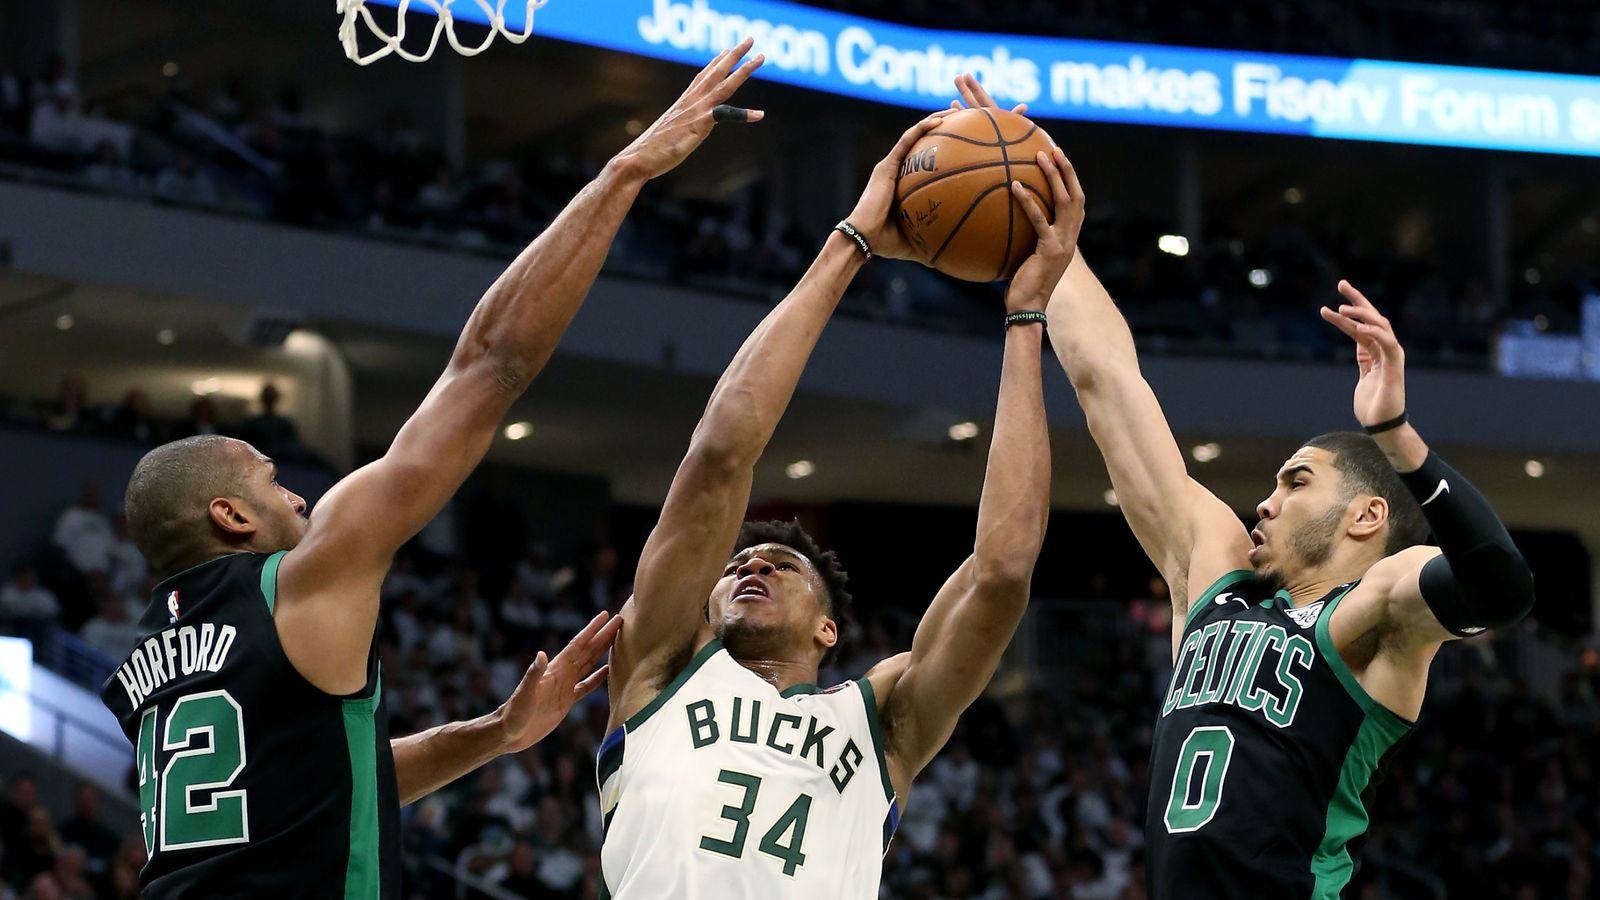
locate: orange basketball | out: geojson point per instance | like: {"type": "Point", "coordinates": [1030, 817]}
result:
{"type": "Point", "coordinates": [956, 208]}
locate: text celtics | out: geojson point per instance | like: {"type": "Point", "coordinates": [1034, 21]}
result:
{"type": "Point", "coordinates": [1220, 664]}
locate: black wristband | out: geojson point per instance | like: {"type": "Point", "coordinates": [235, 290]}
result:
{"type": "Point", "coordinates": [1026, 317]}
{"type": "Point", "coordinates": [855, 234]}
{"type": "Point", "coordinates": [1388, 425]}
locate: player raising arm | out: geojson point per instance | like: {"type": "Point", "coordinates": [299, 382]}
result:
{"type": "Point", "coordinates": [727, 772]}
{"type": "Point", "coordinates": [254, 699]}
{"type": "Point", "coordinates": [1302, 647]}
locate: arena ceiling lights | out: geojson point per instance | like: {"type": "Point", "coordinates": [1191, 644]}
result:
{"type": "Point", "coordinates": [1103, 81]}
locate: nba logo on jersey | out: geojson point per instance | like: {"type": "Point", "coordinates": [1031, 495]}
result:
{"type": "Point", "coordinates": [1306, 616]}
{"type": "Point", "coordinates": [172, 606]}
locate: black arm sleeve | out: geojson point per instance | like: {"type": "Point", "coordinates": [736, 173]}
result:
{"type": "Point", "coordinates": [1481, 581]}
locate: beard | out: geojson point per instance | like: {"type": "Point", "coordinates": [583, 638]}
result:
{"type": "Point", "coordinates": [1313, 542]}
{"type": "Point", "coordinates": [754, 640]}
{"type": "Point", "coordinates": [1309, 546]}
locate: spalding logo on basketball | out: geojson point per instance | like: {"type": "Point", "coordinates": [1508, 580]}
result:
{"type": "Point", "coordinates": [955, 202]}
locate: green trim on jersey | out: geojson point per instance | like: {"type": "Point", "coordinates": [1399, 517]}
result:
{"type": "Point", "coordinates": [269, 580]}
{"type": "Point", "coordinates": [1336, 662]}
{"type": "Point", "coordinates": [361, 880]}
{"type": "Point", "coordinates": [794, 689]}
{"type": "Point", "coordinates": [1347, 817]}
{"type": "Point", "coordinates": [608, 764]}
{"type": "Point", "coordinates": [1331, 864]}
{"type": "Point", "coordinates": [1282, 594]}
{"type": "Point", "coordinates": [1227, 580]}
{"type": "Point", "coordinates": [699, 659]}
{"type": "Point", "coordinates": [871, 700]}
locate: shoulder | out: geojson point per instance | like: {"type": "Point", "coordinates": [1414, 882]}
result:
{"type": "Point", "coordinates": [645, 687]}
{"type": "Point", "coordinates": [1387, 601]}
{"type": "Point", "coordinates": [885, 676]}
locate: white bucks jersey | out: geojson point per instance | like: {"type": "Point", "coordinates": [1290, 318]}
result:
{"type": "Point", "coordinates": [725, 787]}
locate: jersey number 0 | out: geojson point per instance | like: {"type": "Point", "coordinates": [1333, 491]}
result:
{"type": "Point", "coordinates": [188, 804]}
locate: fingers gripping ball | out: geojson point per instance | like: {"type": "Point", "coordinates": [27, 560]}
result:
{"type": "Point", "coordinates": [955, 205]}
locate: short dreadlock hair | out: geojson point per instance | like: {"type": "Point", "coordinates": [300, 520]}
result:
{"type": "Point", "coordinates": [791, 534]}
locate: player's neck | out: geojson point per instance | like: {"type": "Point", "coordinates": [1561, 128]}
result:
{"type": "Point", "coordinates": [1311, 588]}
{"type": "Point", "coordinates": [781, 673]}
{"type": "Point", "coordinates": [1314, 583]}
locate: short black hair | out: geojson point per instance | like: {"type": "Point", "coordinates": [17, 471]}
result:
{"type": "Point", "coordinates": [793, 535]}
{"type": "Point", "coordinates": [1364, 469]}
{"type": "Point", "coordinates": [168, 495]}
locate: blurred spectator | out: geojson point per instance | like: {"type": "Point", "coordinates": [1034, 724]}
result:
{"type": "Point", "coordinates": [270, 432]}
{"type": "Point", "coordinates": [595, 582]}
{"type": "Point", "coordinates": [26, 832]}
{"type": "Point", "coordinates": [114, 631]}
{"type": "Point", "coordinates": [440, 195]}
{"type": "Point", "coordinates": [56, 124]}
{"type": "Point", "coordinates": [133, 420]}
{"type": "Point", "coordinates": [522, 877]}
{"type": "Point", "coordinates": [522, 611]}
{"type": "Point", "coordinates": [13, 100]}
{"type": "Point", "coordinates": [84, 533]}
{"type": "Point", "coordinates": [72, 878]}
{"type": "Point", "coordinates": [127, 569]}
{"type": "Point", "coordinates": [202, 420]}
{"type": "Point", "coordinates": [55, 81]}
{"type": "Point", "coordinates": [110, 172]}
{"type": "Point", "coordinates": [184, 182]}
{"type": "Point", "coordinates": [536, 576]}
{"type": "Point", "coordinates": [23, 597]}
{"type": "Point", "coordinates": [86, 830]}
{"type": "Point", "coordinates": [22, 795]}
{"type": "Point", "coordinates": [70, 409]}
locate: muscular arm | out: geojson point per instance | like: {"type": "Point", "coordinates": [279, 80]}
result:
{"type": "Point", "coordinates": [1190, 535]}
{"type": "Point", "coordinates": [966, 629]}
{"type": "Point", "coordinates": [328, 585]}
{"type": "Point", "coordinates": [1409, 603]}
{"type": "Point", "coordinates": [427, 761]}
{"type": "Point", "coordinates": [683, 556]}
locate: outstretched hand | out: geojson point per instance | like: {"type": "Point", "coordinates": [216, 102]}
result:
{"type": "Point", "coordinates": [874, 215]}
{"type": "Point", "coordinates": [974, 95]}
{"type": "Point", "coordinates": [550, 686]}
{"type": "Point", "coordinates": [1381, 387]}
{"type": "Point", "coordinates": [684, 126]}
{"type": "Point", "coordinates": [1058, 238]}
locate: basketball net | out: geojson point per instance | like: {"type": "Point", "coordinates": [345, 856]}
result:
{"type": "Point", "coordinates": [356, 10]}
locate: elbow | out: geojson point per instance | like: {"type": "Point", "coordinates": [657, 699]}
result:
{"type": "Point", "coordinates": [1089, 371]}
{"type": "Point", "coordinates": [1490, 587]}
{"type": "Point", "coordinates": [730, 435]}
{"type": "Point", "coordinates": [504, 367]}
{"type": "Point", "coordinates": [719, 449]}
{"type": "Point", "coordinates": [1006, 577]}
{"type": "Point", "coordinates": [1510, 588]}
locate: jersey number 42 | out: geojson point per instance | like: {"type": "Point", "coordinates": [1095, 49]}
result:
{"type": "Point", "coordinates": [188, 803]}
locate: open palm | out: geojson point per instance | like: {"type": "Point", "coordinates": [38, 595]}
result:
{"type": "Point", "coordinates": [550, 686]}
{"type": "Point", "coordinates": [1380, 361]}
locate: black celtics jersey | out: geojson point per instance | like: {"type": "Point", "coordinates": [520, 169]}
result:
{"type": "Point", "coordinates": [1264, 755]}
{"type": "Point", "coordinates": [252, 782]}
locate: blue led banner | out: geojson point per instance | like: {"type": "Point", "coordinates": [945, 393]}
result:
{"type": "Point", "coordinates": [1098, 80]}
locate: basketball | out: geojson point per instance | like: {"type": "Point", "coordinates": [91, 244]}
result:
{"type": "Point", "coordinates": [954, 204]}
